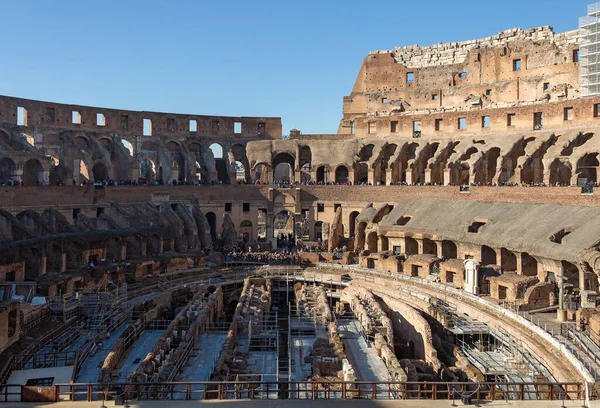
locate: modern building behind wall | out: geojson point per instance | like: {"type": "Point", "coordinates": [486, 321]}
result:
{"type": "Point", "coordinates": [116, 229]}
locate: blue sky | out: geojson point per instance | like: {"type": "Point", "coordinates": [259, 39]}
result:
{"type": "Point", "coordinates": [241, 58]}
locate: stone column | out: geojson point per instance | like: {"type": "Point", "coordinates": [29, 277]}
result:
{"type": "Point", "coordinates": [371, 176]}
{"type": "Point", "coordinates": [408, 176]}
{"type": "Point", "coordinates": [517, 176]}
{"type": "Point", "coordinates": [439, 249]}
{"type": "Point", "coordinates": [388, 177]}
{"type": "Point", "coordinates": [446, 177]}
{"type": "Point", "coordinates": [427, 175]}
{"type": "Point", "coordinates": [574, 178]}
{"type": "Point", "coordinates": [519, 266]}
{"type": "Point", "coordinates": [44, 178]}
{"type": "Point", "coordinates": [17, 174]}
{"type": "Point", "coordinates": [419, 245]}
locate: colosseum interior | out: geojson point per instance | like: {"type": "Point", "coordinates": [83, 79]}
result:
{"type": "Point", "coordinates": [441, 245]}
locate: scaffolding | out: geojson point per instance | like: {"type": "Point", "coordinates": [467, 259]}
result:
{"type": "Point", "coordinates": [589, 52]}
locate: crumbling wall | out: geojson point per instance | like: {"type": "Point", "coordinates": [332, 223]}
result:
{"type": "Point", "coordinates": [314, 300]}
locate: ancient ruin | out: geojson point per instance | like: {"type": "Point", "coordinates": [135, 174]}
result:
{"type": "Point", "coordinates": [442, 245]}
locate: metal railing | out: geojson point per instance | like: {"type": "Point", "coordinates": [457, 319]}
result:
{"type": "Point", "coordinates": [308, 390]}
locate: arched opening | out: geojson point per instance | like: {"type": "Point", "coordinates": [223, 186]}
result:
{"type": "Point", "coordinates": [319, 231]}
{"type": "Point", "coordinates": [128, 146]}
{"type": "Point", "coordinates": [529, 265]}
{"type": "Point", "coordinates": [449, 250]}
{"type": "Point", "coordinates": [147, 171]}
{"type": "Point", "coordinates": [321, 175]}
{"type": "Point", "coordinates": [508, 260]}
{"type": "Point", "coordinates": [100, 172]}
{"type": "Point", "coordinates": [246, 231]}
{"type": "Point", "coordinates": [341, 175]}
{"type": "Point", "coordinates": [114, 249]}
{"type": "Point", "coordinates": [84, 174]}
{"type": "Point", "coordinates": [58, 175]}
{"type": "Point", "coordinates": [33, 263]}
{"type": "Point", "coordinates": [54, 259]}
{"type": "Point", "coordinates": [560, 173]}
{"type": "Point", "coordinates": [82, 142]}
{"type": "Point", "coordinates": [372, 242]}
{"type": "Point", "coordinates": [134, 247]}
{"type": "Point", "coordinates": [153, 245]}
{"type": "Point", "coordinates": [74, 256]}
{"type": "Point", "coordinates": [571, 272]}
{"type": "Point", "coordinates": [412, 246]}
{"type": "Point", "coordinates": [240, 172]}
{"type": "Point", "coordinates": [283, 167]}
{"type": "Point", "coordinates": [488, 255]}
{"type": "Point", "coordinates": [385, 243]}
{"type": "Point", "coordinates": [178, 165]}
{"type": "Point", "coordinates": [360, 235]}
{"type": "Point", "coordinates": [305, 162]}
{"type": "Point", "coordinates": [283, 173]}
{"type": "Point", "coordinates": [220, 163]}
{"type": "Point", "coordinates": [587, 168]}
{"type": "Point", "coordinates": [7, 170]}
{"type": "Point", "coordinates": [429, 246]}
{"type": "Point", "coordinates": [212, 222]}
{"type": "Point", "coordinates": [362, 173]}
{"type": "Point", "coordinates": [33, 173]}
{"type": "Point", "coordinates": [352, 223]}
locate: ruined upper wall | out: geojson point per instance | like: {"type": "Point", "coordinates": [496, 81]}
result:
{"type": "Point", "coordinates": [512, 69]}
{"type": "Point", "coordinates": [127, 122]}
{"type": "Point", "coordinates": [414, 56]}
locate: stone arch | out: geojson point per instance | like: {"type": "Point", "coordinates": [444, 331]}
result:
{"type": "Point", "coordinates": [246, 231]}
{"type": "Point", "coordinates": [4, 137]}
{"type": "Point", "coordinates": [318, 236]}
{"type": "Point", "coordinates": [261, 173]}
{"type": "Point", "coordinates": [33, 172]}
{"type": "Point", "coordinates": [385, 243]}
{"type": "Point", "coordinates": [508, 260]}
{"type": "Point", "coordinates": [429, 246]}
{"type": "Point", "coordinates": [7, 170]}
{"type": "Point", "coordinates": [529, 265]}
{"type": "Point", "coordinates": [83, 142]}
{"type": "Point", "coordinates": [449, 249]}
{"type": "Point", "coordinates": [148, 170]}
{"type": "Point", "coordinates": [178, 163]}
{"type": "Point", "coordinates": [220, 163]}
{"type": "Point", "coordinates": [587, 167]}
{"type": "Point", "coordinates": [411, 246]}
{"type": "Point", "coordinates": [322, 174]}
{"type": "Point", "coordinates": [100, 171]}
{"type": "Point", "coordinates": [352, 223]}
{"type": "Point", "coordinates": [33, 262]}
{"type": "Point", "coordinates": [114, 248]}
{"type": "Point", "coordinates": [341, 174]}
{"type": "Point", "coordinates": [305, 163]}
{"type": "Point", "coordinates": [74, 251]}
{"type": "Point", "coordinates": [571, 272]}
{"type": "Point", "coordinates": [153, 245]}
{"type": "Point", "coordinates": [212, 222]}
{"type": "Point", "coordinates": [488, 256]}
{"type": "Point", "coordinates": [360, 235]}
{"type": "Point", "coordinates": [58, 173]}
{"type": "Point", "coordinates": [54, 258]}
{"type": "Point", "coordinates": [134, 247]}
{"type": "Point", "coordinates": [560, 173]}
{"type": "Point", "coordinates": [283, 163]}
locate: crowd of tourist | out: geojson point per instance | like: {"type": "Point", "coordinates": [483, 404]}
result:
{"type": "Point", "coordinates": [281, 256]}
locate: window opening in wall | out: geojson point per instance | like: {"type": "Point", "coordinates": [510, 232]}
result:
{"type": "Point", "coordinates": [546, 86]}
{"type": "Point", "coordinates": [147, 127]}
{"type": "Point", "coordinates": [394, 126]}
{"type": "Point", "coordinates": [462, 123]}
{"type": "Point", "coordinates": [474, 227]}
{"type": "Point", "coordinates": [246, 207]}
{"type": "Point", "coordinates": [510, 119]}
{"type": "Point", "coordinates": [488, 92]}
{"type": "Point", "coordinates": [215, 126]}
{"type": "Point", "coordinates": [320, 207]}
{"type": "Point", "coordinates": [76, 212]}
{"type": "Point", "coordinates": [170, 124]}
{"type": "Point", "coordinates": [352, 128]}
{"type": "Point", "coordinates": [10, 276]}
{"type": "Point", "coordinates": [384, 100]}
{"type": "Point", "coordinates": [558, 237]}
{"type": "Point", "coordinates": [99, 211]}
{"type": "Point", "coordinates": [435, 97]}
{"type": "Point", "coordinates": [262, 127]}
{"type": "Point", "coordinates": [403, 220]}
{"type": "Point", "coordinates": [397, 250]}
{"type": "Point", "coordinates": [597, 110]}
{"type": "Point", "coordinates": [100, 119]}
{"type": "Point", "coordinates": [416, 128]}
{"type": "Point", "coordinates": [193, 125]}
{"type": "Point", "coordinates": [237, 127]}
{"type": "Point", "coordinates": [227, 207]}
{"type": "Point", "coordinates": [124, 121]}
{"type": "Point", "coordinates": [568, 115]}
{"type": "Point", "coordinates": [485, 122]}
{"type": "Point", "coordinates": [438, 124]}
{"type": "Point", "coordinates": [462, 75]}
{"type": "Point", "coordinates": [410, 77]}
{"type": "Point", "coordinates": [502, 292]}
{"type": "Point", "coordinates": [516, 65]}
{"type": "Point", "coordinates": [372, 127]}
{"type": "Point", "coordinates": [575, 55]}
{"type": "Point", "coordinates": [336, 206]}
{"type": "Point", "coordinates": [538, 119]}
{"type": "Point", "coordinates": [75, 118]}
{"type": "Point", "coordinates": [21, 116]}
